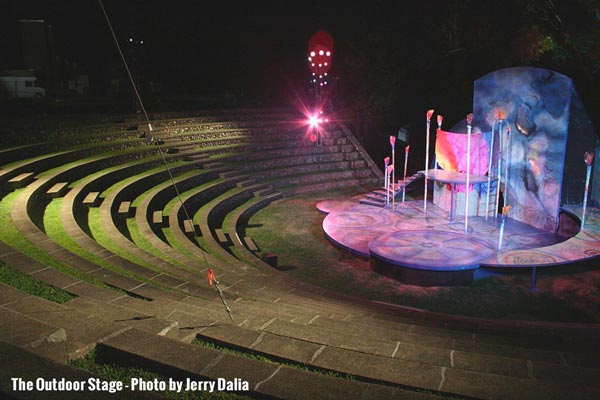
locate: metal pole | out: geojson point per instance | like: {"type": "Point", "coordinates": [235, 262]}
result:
{"type": "Point", "coordinates": [503, 219]}
{"type": "Point", "coordinates": [406, 149]}
{"type": "Point", "coordinates": [429, 115]}
{"type": "Point", "coordinates": [588, 158]}
{"type": "Point", "coordinates": [394, 177]}
{"type": "Point", "coordinates": [469, 120]}
{"type": "Point", "coordinates": [386, 181]}
{"type": "Point", "coordinates": [506, 175]}
{"type": "Point", "coordinates": [426, 167]}
{"type": "Point", "coordinates": [499, 169]}
{"type": "Point", "coordinates": [489, 180]}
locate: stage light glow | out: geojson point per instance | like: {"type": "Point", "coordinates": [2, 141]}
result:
{"type": "Point", "coordinates": [325, 64]}
{"type": "Point", "coordinates": [309, 58]}
{"type": "Point", "coordinates": [312, 54]}
{"type": "Point", "coordinates": [313, 64]}
{"type": "Point", "coordinates": [328, 54]}
{"type": "Point", "coordinates": [321, 52]}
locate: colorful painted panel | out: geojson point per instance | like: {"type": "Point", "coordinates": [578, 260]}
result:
{"type": "Point", "coordinates": [451, 152]}
{"type": "Point", "coordinates": [536, 103]}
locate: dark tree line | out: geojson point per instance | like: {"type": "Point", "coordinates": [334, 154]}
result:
{"type": "Point", "coordinates": [430, 56]}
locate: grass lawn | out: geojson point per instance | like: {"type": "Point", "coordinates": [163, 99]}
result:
{"type": "Point", "coordinates": [292, 228]}
{"type": "Point", "coordinates": [31, 285]}
{"type": "Point", "coordinates": [15, 239]}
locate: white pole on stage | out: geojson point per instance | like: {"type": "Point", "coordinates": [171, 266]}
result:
{"type": "Point", "coordinates": [489, 180]}
{"type": "Point", "coordinates": [505, 210]}
{"type": "Point", "coordinates": [393, 143]}
{"type": "Point", "coordinates": [506, 166]}
{"type": "Point", "coordinates": [386, 182]}
{"type": "Point", "coordinates": [499, 171]}
{"type": "Point", "coordinates": [406, 149]}
{"type": "Point", "coordinates": [429, 115]}
{"type": "Point", "coordinates": [469, 120]}
{"type": "Point", "coordinates": [589, 159]}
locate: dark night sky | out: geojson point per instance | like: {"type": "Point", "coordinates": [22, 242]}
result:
{"type": "Point", "coordinates": [398, 57]}
{"type": "Point", "coordinates": [197, 44]}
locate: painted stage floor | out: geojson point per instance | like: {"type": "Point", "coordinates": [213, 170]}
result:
{"type": "Point", "coordinates": [409, 238]}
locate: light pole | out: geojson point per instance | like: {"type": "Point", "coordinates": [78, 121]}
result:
{"type": "Point", "coordinates": [469, 121]}
{"type": "Point", "coordinates": [429, 115]}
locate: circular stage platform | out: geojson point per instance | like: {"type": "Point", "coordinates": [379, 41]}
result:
{"type": "Point", "coordinates": [430, 250]}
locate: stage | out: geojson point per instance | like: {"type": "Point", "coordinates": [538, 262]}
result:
{"type": "Point", "coordinates": [429, 249]}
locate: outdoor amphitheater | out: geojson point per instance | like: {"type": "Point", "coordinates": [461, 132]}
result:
{"type": "Point", "coordinates": [118, 226]}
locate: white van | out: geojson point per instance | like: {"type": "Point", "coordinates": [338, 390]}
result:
{"type": "Point", "coordinates": [22, 86]}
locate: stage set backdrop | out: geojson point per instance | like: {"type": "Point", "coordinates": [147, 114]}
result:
{"type": "Point", "coordinates": [550, 132]}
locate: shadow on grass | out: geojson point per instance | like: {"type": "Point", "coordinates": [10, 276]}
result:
{"type": "Point", "coordinates": [286, 267]}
